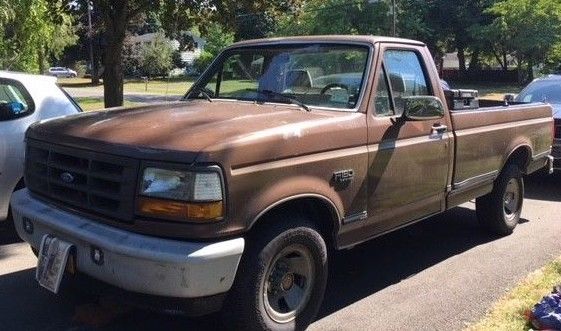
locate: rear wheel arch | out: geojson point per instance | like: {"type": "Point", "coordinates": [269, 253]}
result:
{"type": "Point", "coordinates": [520, 156]}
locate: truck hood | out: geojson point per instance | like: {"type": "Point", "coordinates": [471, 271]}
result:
{"type": "Point", "coordinates": [200, 131]}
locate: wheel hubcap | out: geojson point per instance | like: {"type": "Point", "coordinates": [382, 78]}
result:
{"type": "Point", "coordinates": [512, 199]}
{"type": "Point", "coordinates": [288, 284]}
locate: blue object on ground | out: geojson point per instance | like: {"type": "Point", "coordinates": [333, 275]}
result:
{"type": "Point", "coordinates": [546, 315]}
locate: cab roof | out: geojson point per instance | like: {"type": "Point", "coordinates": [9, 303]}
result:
{"type": "Point", "coordinates": [326, 39]}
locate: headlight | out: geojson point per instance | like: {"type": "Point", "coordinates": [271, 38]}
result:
{"type": "Point", "coordinates": [181, 195]}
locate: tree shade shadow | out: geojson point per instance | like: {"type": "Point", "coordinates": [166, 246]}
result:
{"type": "Point", "coordinates": [543, 187]}
{"type": "Point", "coordinates": [375, 265]}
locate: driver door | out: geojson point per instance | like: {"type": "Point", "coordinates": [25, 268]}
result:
{"type": "Point", "coordinates": [408, 164]}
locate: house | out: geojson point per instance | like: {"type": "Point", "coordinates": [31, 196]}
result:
{"type": "Point", "coordinates": [188, 57]}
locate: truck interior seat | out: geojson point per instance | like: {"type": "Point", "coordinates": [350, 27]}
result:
{"type": "Point", "coordinates": [298, 80]}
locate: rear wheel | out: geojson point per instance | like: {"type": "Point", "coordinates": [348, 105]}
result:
{"type": "Point", "coordinates": [281, 279]}
{"type": "Point", "coordinates": [499, 211]}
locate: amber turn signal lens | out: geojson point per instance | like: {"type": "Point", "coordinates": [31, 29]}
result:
{"type": "Point", "coordinates": [181, 211]}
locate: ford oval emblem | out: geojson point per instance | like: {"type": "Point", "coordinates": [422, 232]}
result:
{"type": "Point", "coordinates": [67, 177]}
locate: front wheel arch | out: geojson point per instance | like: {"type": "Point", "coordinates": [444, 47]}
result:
{"type": "Point", "coordinates": [319, 210]}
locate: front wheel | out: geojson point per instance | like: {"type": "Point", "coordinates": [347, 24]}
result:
{"type": "Point", "coordinates": [281, 279]}
{"type": "Point", "coordinates": [499, 211]}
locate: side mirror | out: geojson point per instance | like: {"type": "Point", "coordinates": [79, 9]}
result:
{"type": "Point", "coordinates": [12, 110]}
{"type": "Point", "coordinates": [509, 97]}
{"type": "Point", "coordinates": [422, 108]}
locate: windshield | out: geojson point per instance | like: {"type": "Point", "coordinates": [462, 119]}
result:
{"type": "Point", "coordinates": [541, 91]}
{"type": "Point", "coordinates": [321, 75]}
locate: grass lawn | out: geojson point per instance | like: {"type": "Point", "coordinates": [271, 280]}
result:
{"type": "Point", "coordinates": [509, 312]}
{"type": "Point", "coordinates": [172, 86]}
{"type": "Point", "coordinates": [88, 104]}
{"type": "Point", "coordinates": [159, 86]}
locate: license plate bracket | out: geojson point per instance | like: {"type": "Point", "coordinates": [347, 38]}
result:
{"type": "Point", "coordinates": [53, 258]}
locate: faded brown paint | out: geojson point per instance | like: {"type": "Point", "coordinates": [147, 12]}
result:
{"type": "Point", "coordinates": [271, 153]}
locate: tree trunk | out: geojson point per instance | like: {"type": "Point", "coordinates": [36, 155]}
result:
{"type": "Point", "coordinates": [462, 60]}
{"type": "Point", "coordinates": [500, 60]}
{"type": "Point", "coordinates": [41, 59]}
{"type": "Point", "coordinates": [505, 60]}
{"type": "Point", "coordinates": [95, 63]}
{"type": "Point", "coordinates": [519, 69]}
{"type": "Point", "coordinates": [116, 18]}
{"type": "Point", "coordinates": [530, 69]}
{"type": "Point", "coordinates": [113, 75]}
{"type": "Point", "coordinates": [475, 63]}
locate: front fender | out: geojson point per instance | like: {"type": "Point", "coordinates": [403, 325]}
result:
{"type": "Point", "coordinates": [291, 189]}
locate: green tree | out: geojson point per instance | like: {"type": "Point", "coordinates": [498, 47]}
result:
{"type": "Point", "coordinates": [217, 38]}
{"type": "Point", "coordinates": [203, 61]}
{"type": "Point", "coordinates": [553, 60]}
{"type": "Point", "coordinates": [529, 29]}
{"type": "Point", "coordinates": [457, 26]}
{"type": "Point", "coordinates": [156, 58]}
{"type": "Point", "coordinates": [318, 17]}
{"type": "Point", "coordinates": [33, 33]}
{"type": "Point", "coordinates": [175, 16]}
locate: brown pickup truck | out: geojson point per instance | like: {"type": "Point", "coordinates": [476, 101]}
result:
{"type": "Point", "coordinates": [283, 150]}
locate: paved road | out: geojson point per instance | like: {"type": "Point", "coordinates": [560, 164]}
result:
{"type": "Point", "coordinates": [437, 275]}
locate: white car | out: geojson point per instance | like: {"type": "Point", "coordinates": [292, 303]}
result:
{"type": "Point", "coordinates": [24, 99]}
{"type": "Point", "coordinates": [62, 72]}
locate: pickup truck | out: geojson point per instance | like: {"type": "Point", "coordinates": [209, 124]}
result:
{"type": "Point", "coordinates": [284, 150]}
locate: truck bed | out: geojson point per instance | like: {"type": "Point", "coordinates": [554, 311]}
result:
{"type": "Point", "coordinates": [485, 137]}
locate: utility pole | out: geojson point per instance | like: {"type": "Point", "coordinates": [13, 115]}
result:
{"type": "Point", "coordinates": [93, 65]}
{"type": "Point", "coordinates": [394, 19]}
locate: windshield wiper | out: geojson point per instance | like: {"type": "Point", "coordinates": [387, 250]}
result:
{"type": "Point", "coordinates": [286, 97]}
{"type": "Point", "coordinates": [202, 91]}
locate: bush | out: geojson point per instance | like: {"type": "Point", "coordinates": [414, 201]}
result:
{"type": "Point", "coordinates": [81, 67]}
{"type": "Point", "coordinates": [156, 58]}
{"type": "Point", "coordinates": [203, 61]}
{"type": "Point", "coordinates": [131, 61]}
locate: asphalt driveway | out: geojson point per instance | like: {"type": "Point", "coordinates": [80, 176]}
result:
{"type": "Point", "coordinates": [439, 274]}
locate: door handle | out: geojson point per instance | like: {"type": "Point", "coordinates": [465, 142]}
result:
{"type": "Point", "coordinates": [439, 129]}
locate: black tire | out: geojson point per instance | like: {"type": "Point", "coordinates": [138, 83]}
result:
{"type": "Point", "coordinates": [248, 306]}
{"type": "Point", "coordinates": [496, 211]}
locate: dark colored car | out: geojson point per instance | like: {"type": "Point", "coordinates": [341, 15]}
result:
{"type": "Point", "coordinates": [547, 89]}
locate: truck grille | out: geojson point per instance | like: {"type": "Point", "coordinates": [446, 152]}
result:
{"type": "Point", "coordinates": [557, 128]}
{"type": "Point", "coordinates": [90, 181]}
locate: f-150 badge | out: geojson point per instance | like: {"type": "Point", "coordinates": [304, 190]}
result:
{"type": "Point", "coordinates": [343, 176]}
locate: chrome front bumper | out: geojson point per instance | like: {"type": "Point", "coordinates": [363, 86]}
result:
{"type": "Point", "coordinates": [133, 262]}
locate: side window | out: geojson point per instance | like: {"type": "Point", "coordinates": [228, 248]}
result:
{"type": "Point", "coordinates": [406, 76]}
{"type": "Point", "coordinates": [15, 101]}
{"type": "Point", "coordinates": [382, 102]}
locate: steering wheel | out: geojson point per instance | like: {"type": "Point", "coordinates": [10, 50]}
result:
{"type": "Point", "coordinates": [334, 85]}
